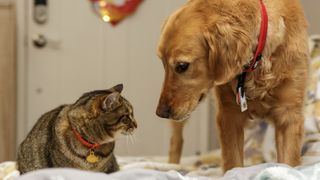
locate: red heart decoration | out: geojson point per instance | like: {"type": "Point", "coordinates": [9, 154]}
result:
{"type": "Point", "coordinates": [114, 11]}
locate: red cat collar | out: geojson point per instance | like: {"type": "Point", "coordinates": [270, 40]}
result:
{"type": "Point", "coordinates": [241, 98]}
{"type": "Point", "coordinates": [83, 141]}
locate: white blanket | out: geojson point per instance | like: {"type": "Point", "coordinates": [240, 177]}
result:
{"type": "Point", "coordinates": [73, 174]}
{"type": "Point", "coordinates": [269, 171]}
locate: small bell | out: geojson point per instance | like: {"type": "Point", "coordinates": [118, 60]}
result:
{"type": "Point", "coordinates": [92, 158]}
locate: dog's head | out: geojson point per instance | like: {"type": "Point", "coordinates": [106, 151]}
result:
{"type": "Point", "coordinates": [199, 48]}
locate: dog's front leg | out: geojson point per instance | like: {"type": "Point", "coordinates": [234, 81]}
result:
{"type": "Point", "coordinates": [176, 142]}
{"type": "Point", "coordinates": [230, 124]}
{"type": "Point", "coordinates": [289, 133]}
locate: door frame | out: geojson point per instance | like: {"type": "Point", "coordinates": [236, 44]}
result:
{"type": "Point", "coordinates": [22, 50]}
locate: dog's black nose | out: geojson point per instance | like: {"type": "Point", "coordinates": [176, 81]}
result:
{"type": "Point", "coordinates": [163, 111]}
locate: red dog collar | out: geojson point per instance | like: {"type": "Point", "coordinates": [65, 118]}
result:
{"type": "Point", "coordinates": [262, 39]}
{"type": "Point", "coordinates": [241, 98]}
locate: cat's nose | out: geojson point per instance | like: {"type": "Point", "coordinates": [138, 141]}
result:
{"type": "Point", "coordinates": [163, 111]}
{"type": "Point", "coordinates": [134, 124]}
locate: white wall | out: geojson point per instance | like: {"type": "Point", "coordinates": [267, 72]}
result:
{"type": "Point", "coordinates": [312, 11]}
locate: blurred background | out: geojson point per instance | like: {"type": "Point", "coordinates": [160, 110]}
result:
{"type": "Point", "coordinates": [52, 51]}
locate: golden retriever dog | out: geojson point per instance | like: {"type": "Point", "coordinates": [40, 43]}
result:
{"type": "Point", "coordinates": [205, 45]}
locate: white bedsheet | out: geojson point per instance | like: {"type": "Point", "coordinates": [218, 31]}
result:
{"type": "Point", "coordinates": [73, 174]}
{"type": "Point", "coordinates": [268, 171]}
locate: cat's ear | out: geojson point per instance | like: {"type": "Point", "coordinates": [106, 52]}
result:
{"type": "Point", "coordinates": [118, 88]}
{"type": "Point", "coordinates": [111, 101]}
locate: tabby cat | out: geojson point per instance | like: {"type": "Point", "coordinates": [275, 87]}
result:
{"type": "Point", "coordinates": [79, 135]}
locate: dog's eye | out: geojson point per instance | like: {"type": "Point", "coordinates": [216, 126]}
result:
{"type": "Point", "coordinates": [181, 67]}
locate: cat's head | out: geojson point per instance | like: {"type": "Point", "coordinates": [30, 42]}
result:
{"type": "Point", "coordinates": [99, 116]}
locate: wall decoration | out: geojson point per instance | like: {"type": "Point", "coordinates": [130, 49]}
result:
{"type": "Point", "coordinates": [114, 11]}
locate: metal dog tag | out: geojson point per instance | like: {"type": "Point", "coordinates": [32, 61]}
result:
{"type": "Point", "coordinates": [243, 100]}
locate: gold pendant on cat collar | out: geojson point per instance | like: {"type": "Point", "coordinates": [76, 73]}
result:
{"type": "Point", "coordinates": [92, 158]}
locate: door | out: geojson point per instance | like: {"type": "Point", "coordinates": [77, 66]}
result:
{"type": "Point", "coordinates": [84, 53]}
{"type": "Point", "coordinates": [7, 81]}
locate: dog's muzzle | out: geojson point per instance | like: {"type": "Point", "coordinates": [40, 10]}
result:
{"type": "Point", "coordinates": [163, 111]}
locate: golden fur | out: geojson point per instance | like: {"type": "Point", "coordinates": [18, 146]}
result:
{"type": "Point", "coordinates": [217, 38]}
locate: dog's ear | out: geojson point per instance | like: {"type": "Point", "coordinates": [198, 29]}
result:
{"type": "Point", "coordinates": [229, 50]}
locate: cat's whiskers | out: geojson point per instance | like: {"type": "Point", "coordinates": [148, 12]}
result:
{"type": "Point", "coordinates": [127, 145]}
{"type": "Point", "coordinates": [127, 140]}
{"type": "Point", "coordinates": [132, 139]}
{"type": "Point", "coordinates": [134, 136]}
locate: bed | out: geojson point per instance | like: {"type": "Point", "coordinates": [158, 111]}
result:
{"type": "Point", "coordinates": [151, 171]}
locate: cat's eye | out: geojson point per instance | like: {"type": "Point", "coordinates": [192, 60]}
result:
{"type": "Point", "coordinates": [125, 120]}
{"type": "Point", "coordinates": [182, 67]}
